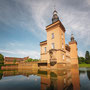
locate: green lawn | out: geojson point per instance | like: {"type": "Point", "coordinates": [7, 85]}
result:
{"type": "Point", "coordinates": [84, 65]}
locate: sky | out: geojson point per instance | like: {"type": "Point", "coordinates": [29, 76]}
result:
{"type": "Point", "coordinates": [23, 23]}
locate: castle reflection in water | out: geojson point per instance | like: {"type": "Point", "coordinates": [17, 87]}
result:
{"type": "Point", "coordinates": [64, 79]}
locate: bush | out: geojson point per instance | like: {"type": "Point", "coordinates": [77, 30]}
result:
{"type": "Point", "coordinates": [31, 60]}
{"type": "Point", "coordinates": [81, 60]}
{"type": "Point", "coordinates": [87, 61]}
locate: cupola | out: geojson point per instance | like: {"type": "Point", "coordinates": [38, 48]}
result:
{"type": "Point", "coordinates": [55, 16]}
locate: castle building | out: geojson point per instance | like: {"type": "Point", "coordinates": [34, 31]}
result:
{"type": "Point", "coordinates": [54, 50]}
{"type": "Point", "coordinates": [14, 60]}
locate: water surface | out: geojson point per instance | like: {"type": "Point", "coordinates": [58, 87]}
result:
{"type": "Point", "coordinates": [64, 79]}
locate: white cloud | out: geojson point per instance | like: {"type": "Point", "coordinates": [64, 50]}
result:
{"type": "Point", "coordinates": [14, 44]}
{"type": "Point", "coordinates": [38, 11]}
{"type": "Point", "coordinates": [88, 2]}
{"type": "Point", "coordinates": [7, 51]}
{"type": "Point", "coordinates": [81, 54]}
{"type": "Point", "coordinates": [21, 53]}
{"type": "Point", "coordinates": [76, 21]}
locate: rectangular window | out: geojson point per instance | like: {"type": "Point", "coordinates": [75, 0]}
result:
{"type": "Point", "coordinates": [53, 46]}
{"type": "Point", "coordinates": [62, 36]}
{"type": "Point", "coordinates": [52, 35]}
{"type": "Point", "coordinates": [63, 56]}
{"type": "Point", "coordinates": [45, 49]}
{"type": "Point", "coordinates": [62, 46]}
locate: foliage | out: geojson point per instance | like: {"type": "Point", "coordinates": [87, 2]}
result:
{"type": "Point", "coordinates": [31, 60]}
{"type": "Point", "coordinates": [14, 61]}
{"type": "Point", "coordinates": [81, 60]}
{"type": "Point", "coordinates": [87, 57]}
{"type": "Point", "coordinates": [1, 59]}
{"type": "Point", "coordinates": [87, 61]}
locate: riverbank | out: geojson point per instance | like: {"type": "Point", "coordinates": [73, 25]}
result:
{"type": "Point", "coordinates": [84, 65]}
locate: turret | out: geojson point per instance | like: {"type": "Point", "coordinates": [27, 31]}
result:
{"type": "Point", "coordinates": [73, 51]}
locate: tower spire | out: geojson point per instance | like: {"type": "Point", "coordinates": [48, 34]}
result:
{"type": "Point", "coordinates": [54, 7]}
{"type": "Point", "coordinates": [55, 16]}
{"type": "Point", "coordinates": [72, 37]}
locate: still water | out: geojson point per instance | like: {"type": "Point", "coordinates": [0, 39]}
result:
{"type": "Point", "coordinates": [65, 79]}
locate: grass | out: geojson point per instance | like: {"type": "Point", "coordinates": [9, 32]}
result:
{"type": "Point", "coordinates": [84, 65]}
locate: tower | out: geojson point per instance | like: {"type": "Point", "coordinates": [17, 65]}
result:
{"type": "Point", "coordinates": [54, 50]}
{"type": "Point", "coordinates": [73, 51]}
{"type": "Point", "coordinates": [55, 40]}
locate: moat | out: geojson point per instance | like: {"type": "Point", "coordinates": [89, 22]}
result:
{"type": "Point", "coordinates": [64, 79]}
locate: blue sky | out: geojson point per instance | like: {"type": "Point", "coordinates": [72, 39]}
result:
{"type": "Point", "coordinates": [23, 22]}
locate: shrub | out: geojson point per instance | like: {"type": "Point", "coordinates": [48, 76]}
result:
{"type": "Point", "coordinates": [31, 60]}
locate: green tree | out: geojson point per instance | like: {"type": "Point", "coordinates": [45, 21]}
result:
{"type": "Point", "coordinates": [31, 60]}
{"type": "Point", "coordinates": [81, 60]}
{"type": "Point", "coordinates": [1, 59]}
{"type": "Point", "coordinates": [14, 61]}
{"type": "Point", "coordinates": [87, 57]}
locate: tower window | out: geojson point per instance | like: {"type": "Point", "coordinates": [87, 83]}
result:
{"type": "Point", "coordinates": [63, 56]}
{"type": "Point", "coordinates": [45, 49]}
{"type": "Point", "coordinates": [62, 35]}
{"type": "Point", "coordinates": [62, 46]}
{"type": "Point", "coordinates": [52, 35]}
{"type": "Point", "coordinates": [53, 46]}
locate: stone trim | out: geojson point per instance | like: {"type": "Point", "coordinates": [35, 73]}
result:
{"type": "Point", "coordinates": [58, 23]}
{"type": "Point", "coordinates": [43, 53]}
{"type": "Point", "coordinates": [72, 42]}
{"type": "Point", "coordinates": [53, 50]}
{"type": "Point", "coordinates": [43, 42]}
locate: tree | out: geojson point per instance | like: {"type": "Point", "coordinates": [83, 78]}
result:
{"type": "Point", "coordinates": [81, 60]}
{"type": "Point", "coordinates": [1, 59]}
{"type": "Point", "coordinates": [87, 57]}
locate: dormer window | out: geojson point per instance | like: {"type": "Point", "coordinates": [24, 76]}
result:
{"type": "Point", "coordinates": [52, 35]}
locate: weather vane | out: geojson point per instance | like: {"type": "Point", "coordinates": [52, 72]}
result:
{"type": "Point", "coordinates": [54, 6]}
